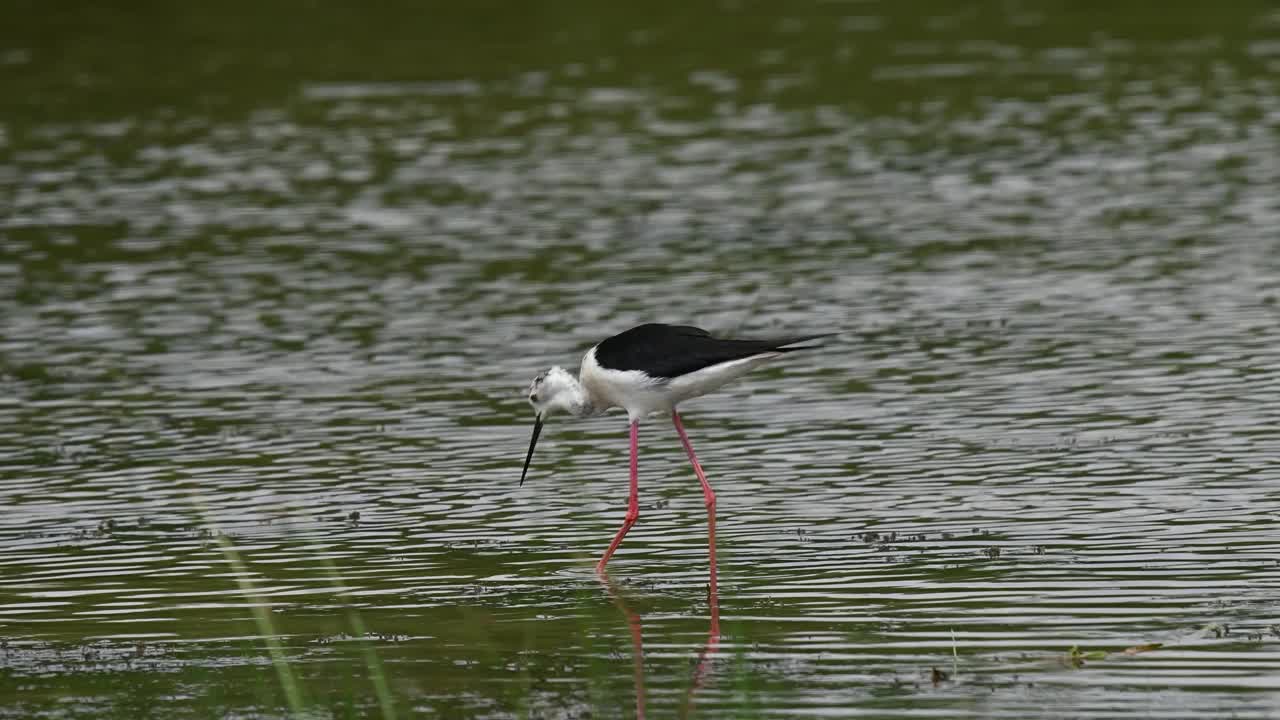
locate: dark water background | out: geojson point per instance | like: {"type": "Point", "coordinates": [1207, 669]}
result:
{"type": "Point", "coordinates": [273, 279]}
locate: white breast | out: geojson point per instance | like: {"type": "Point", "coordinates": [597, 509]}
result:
{"type": "Point", "coordinates": [631, 390]}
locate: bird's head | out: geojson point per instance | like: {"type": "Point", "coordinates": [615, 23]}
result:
{"type": "Point", "coordinates": [552, 391]}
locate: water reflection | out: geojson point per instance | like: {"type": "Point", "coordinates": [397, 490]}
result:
{"type": "Point", "coordinates": [701, 667]}
{"type": "Point", "coordinates": [306, 279]}
{"type": "Point", "coordinates": [705, 662]}
{"type": "Point", "coordinates": [637, 638]}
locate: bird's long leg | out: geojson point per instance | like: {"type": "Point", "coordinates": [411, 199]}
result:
{"type": "Point", "coordinates": [633, 504]}
{"type": "Point", "coordinates": [709, 497]}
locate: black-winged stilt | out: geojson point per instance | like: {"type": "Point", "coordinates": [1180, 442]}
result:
{"type": "Point", "coordinates": [647, 370]}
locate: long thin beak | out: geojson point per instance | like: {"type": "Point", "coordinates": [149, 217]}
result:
{"type": "Point", "coordinates": [537, 428]}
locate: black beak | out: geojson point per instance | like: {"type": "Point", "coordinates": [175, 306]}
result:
{"type": "Point", "coordinates": [537, 428]}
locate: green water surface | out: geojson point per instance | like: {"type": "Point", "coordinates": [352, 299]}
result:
{"type": "Point", "coordinates": [274, 277]}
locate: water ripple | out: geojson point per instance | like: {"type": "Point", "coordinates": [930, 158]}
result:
{"type": "Point", "coordinates": [269, 366]}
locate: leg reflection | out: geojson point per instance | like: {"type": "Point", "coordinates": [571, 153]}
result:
{"type": "Point", "coordinates": [701, 669]}
{"type": "Point", "coordinates": [637, 641]}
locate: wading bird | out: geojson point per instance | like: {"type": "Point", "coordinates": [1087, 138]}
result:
{"type": "Point", "coordinates": [648, 370]}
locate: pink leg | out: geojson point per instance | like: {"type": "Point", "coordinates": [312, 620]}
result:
{"type": "Point", "coordinates": [709, 496]}
{"type": "Point", "coordinates": [633, 505]}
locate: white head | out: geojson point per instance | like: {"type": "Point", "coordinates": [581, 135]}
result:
{"type": "Point", "coordinates": [552, 391]}
{"type": "Point", "coordinates": [555, 391]}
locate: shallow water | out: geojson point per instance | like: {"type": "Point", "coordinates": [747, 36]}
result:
{"type": "Point", "coordinates": [271, 300]}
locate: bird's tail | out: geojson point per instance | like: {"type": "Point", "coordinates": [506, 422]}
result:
{"type": "Point", "coordinates": [791, 344]}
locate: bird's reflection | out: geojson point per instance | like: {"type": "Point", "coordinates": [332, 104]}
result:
{"type": "Point", "coordinates": [700, 669]}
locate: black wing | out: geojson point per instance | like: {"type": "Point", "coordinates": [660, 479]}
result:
{"type": "Point", "coordinates": [668, 351]}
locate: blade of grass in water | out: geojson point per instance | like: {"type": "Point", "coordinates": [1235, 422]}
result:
{"type": "Point", "coordinates": [258, 605]}
{"type": "Point", "coordinates": [371, 660]}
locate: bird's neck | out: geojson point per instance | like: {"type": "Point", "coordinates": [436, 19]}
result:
{"type": "Point", "coordinates": [580, 403]}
